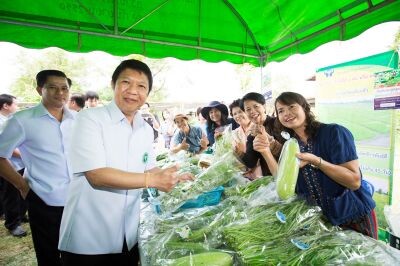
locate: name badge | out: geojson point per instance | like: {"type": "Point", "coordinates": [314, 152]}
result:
{"type": "Point", "coordinates": [145, 157]}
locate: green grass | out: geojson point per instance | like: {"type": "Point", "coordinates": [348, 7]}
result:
{"type": "Point", "coordinates": [16, 251]}
{"type": "Point", "coordinates": [360, 118]}
{"type": "Point", "coordinates": [381, 200]}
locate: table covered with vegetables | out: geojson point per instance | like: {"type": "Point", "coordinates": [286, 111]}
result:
{"type": "Point", "coordinates": [260, 222]}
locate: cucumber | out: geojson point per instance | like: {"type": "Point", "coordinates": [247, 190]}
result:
{"type": "Point", "coordinates": [288, 169]}
{"type": "Point", "coordinates": [205, 259]}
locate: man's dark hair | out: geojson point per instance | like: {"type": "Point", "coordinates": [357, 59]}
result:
{"type": "Point", "coordinates": [92, 95]}
{"type": "Point", "coordinates": [42, 76]}
{"type": "Point", "coordinates": [69, 82]}
{"type": "Point", "coordinates": [135, 65]}
{"type": "Point", "coordinates": [79, 99]}
{"type": "Point", "coordinates": [6, 99]}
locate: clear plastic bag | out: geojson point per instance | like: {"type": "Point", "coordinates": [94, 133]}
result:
{"type": "Point", "coordinates": [219, 173]}
{"type": "Point", "coordinates": [288, 169]}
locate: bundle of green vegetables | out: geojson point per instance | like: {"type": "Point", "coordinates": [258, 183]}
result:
{"type": "Point", "coordinates": [266, 223]}
{"type": "Point", "coordinates": [210, 229]}
{"type": "Point", "coordinates": [306, 248]}
{"type": "Point", "coordinates": [208, 258]}
{"type": "Point", "coordinates": [162, 156]}
{"type": "Point", "coordinates": [247, 189]}
{"type": "Point", "coordinates": [188, 217]}
{"type": "Point", "coordinates": [216, 175]}
{"type": "Point", "coordinates": [165, 248]}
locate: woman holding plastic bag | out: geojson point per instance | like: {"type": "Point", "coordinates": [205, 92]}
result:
{"type": "Point", "coordinates": [329, 175]}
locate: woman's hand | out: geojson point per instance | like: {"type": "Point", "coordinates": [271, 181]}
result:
{"type": "Point", "coordinates": [217, 134]}
{"type": "Point", "coordinates": [262, 141]}
{"type": "Point", "coordinates": [203, 142]}
{"type": "Point", "coordinates": [347, 174]}
{"type": "Point", "coordinates": [308, 158]}
{"type": "Point", "coordinates": [240, 148]}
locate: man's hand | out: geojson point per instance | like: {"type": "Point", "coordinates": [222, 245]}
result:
{"type": "Point", "coordinates": [184, 146]}
{"type": "Point", "coordinates": [166, 179]}
{"type": "Point", "coordinates": [24, 189]}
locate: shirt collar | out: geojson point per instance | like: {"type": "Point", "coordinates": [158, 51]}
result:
{"type": "Point", "coordinates": [40, 110]}
{"type": "Point", "coordinates": [117, 115]}
{"type": "Point", "coordinates": [3, 117]}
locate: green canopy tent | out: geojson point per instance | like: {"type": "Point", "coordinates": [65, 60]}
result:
{"type": "Point", "coordinates": [237, 31]}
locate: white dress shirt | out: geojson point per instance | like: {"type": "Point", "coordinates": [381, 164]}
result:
{"type": "Point", "coordinates": [96, 219]}
{"type": "Point", "coordinates": [43, 142]}
{"type": "Point", "coordinates": [15, 161]}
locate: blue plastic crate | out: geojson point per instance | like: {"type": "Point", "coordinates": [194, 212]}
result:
{"type": "Point", "coordinates": [210, 198]}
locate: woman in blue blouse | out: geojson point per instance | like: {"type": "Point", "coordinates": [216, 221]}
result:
{"type": "Point", "coordinates": [329, 175]}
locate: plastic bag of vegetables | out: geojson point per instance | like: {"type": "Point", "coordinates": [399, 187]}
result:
{"type": "Point", "coordinates": [288, 169]}
{"type": "Point", "coordinates": [217, 174]}
{"type": "Point", "coordinates": [207, 258]}
{"type": "Point", "coordinates": [224, 143]}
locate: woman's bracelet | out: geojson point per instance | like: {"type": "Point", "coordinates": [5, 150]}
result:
{"type": "Point", "coordinates": [146, 180]}
{"type": "Point", "coordinates": [319, 164]}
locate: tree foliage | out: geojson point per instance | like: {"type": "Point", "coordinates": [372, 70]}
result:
{"type": "Point", "coordinates": [24, 87]}
{"type": "Point", "coordinates": [159, 69]}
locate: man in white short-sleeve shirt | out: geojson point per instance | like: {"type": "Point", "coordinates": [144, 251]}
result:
{"type": "Point", "coordinates": [41, 134]}
{"type": "Point", "coordinates": [10, 198]}
{"type": "Point", "coordinates": [112, 159]}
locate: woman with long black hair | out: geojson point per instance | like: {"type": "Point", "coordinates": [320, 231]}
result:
{"type": "Point", "coordinates": [330, 174]}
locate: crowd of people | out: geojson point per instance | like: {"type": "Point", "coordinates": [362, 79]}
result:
{"type": "Point", "coordinates": [79, 171]}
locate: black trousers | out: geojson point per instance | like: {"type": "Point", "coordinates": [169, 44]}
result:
{"type": "Point", "coordinates": [45, 223]}
{"type": "Point", "coordinates": [14, 206]}
{"type": "Point", "coordinates": [126, 258]}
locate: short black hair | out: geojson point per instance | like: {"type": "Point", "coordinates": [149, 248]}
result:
{"type": "Point", "coordinates": [69, 82]}
{"type": "Point", "coordinates": [6, 99]}
{"type": "Point", "coordinates": [254, 96]}
{"type": "Point", "coordinates": [79, 99]}
{"type": "Point", "coordinates": [42, 76]}
{"type": "Point", "coordinates": [135, 65]}
{"type": "Point", "coordinates": [92, 95]}
{"type": "Point", "coordinates": [235, 103]}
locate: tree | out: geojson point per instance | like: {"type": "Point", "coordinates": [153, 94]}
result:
{"type": "Point", "coordinates": [159, 69]}
{"type": "Point", "coordinates": [245, 75]}
{"type": "Point", "coordinates": [396, 43]}
{"type": "Point", "coordinates": [75, 67]}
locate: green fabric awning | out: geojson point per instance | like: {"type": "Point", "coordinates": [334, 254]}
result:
{"type": "Point", "coordinates": [237, 31]}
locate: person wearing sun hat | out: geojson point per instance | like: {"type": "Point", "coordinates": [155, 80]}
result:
{"type": "Point", "coordinates": [188, 138]}
{"type": "Point", "coordinates": [216, 114]}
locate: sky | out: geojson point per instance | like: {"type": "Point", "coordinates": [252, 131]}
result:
{"type": "Point", "coordinates": [199, 81]}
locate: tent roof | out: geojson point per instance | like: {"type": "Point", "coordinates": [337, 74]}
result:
{"type": "Point", "coordinates": [238, 31]}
